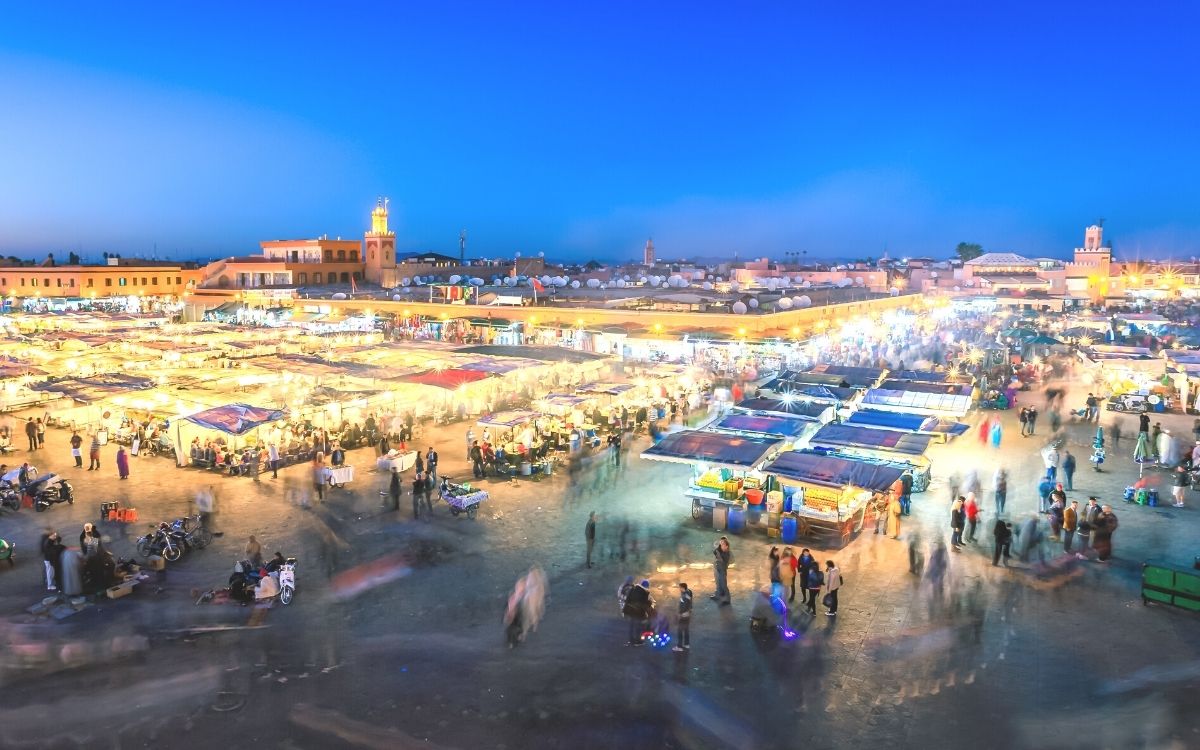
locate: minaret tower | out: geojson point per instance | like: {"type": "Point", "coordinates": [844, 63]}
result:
{"type": "Point", "coordinates": [648, 253]}
{"type": "Point", "coordinates": [379, 251]}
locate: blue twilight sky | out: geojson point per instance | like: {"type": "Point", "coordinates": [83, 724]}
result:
{"type": "Point", "coordinates": [580, 129]}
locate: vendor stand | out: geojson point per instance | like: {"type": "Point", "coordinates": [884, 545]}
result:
{"type": "Point", "coordinates": [938, 428]}
{"type": "Point", "coordinates": [787, 428]}
{"type": "Point", "coordinates": [897, 448]}
{"type": "Point", "coordinates": [829, 496]}
{"type": "Point", "coordinates": [400, 460]}
{"type": "Point", "coordinates": [723, 468]}
{"type": "Point", "coordinates": [462, 498]}
{"type": "Point", "coordinates": [340, 476]}
{"type": "Point", "coordinates": [952, 404]}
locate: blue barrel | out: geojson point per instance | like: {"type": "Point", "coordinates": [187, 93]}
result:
{"type": "Point", "coordinates": [1129, 491]}
{"type": "Point", "coordinates": [787, 530]}
{"type": "Point", "coordinates": [736, 520]}
{"type": "Point", "coordinates": [1152, 497]}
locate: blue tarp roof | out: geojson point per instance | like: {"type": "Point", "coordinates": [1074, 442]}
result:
{"type": "Point", "coordinates": [235, 419]}
{"type": "Point", "coordinates": [785, 406]}
{"type": "Point", "coordinates": [508, 418]}
{"type": "Point", "coordinates": [849, 436]}
{"type": "Point", "coordinates": [892, 420]}
{"type": "Point", "coordinates": [767, 424]}
{"type": "Point", "coordinates": [87, 390]}
{"type": "Point", "coordinates": [690, 446]}
{"type": "Point", "coordinates": [917, 402]}
{"type": "Point", "coordinates": [954, 389]}
{"type": "Point", "coordinates": [833, 471]}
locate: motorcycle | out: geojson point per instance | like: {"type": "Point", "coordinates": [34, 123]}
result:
{"type": "Point", "coordinates": [48, 490]}
{"type": "Point", "coordinates": [190, 530]}
{"type": "Point", "coordinates": [8, 551]}
{"type": "Point", "coordinates": [10, 497]}
{"type": "Point", "coordinates": [244, 582]}
{"type": "Point", "coordinates": [162, 541]}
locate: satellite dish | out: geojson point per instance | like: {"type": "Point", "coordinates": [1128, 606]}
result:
{"type": "Point", "coordinates": [739, 308]}
{"type": "Point", "coordinates": [754, 302]}
{"type": "Point", "coordinates": [575, 284]}
{"type": "Point", "coordinates": [785, 303]}
{"type": "Point", "coordinates": [396, 298]}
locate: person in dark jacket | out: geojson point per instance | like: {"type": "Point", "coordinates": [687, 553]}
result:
{"type": "Point", "coordinates": [906, 484]}
{"type": "Point", "coordinates": [1002, 532]}
{"type": "Point", "coordinates": [394, 488]}
{"type": "Point", "coordinates": [684, 640]}
{"type": "Point", "coordinates": [957, 522]}
{"type": "Point", "coordinates": [638, 608]}
{"type": "Point", "coordinates": [476, 456]}
{"type": "Point", "coordinates": [722, 556]}
{"type": "Point", "coordinates": [1068, 467]}
{"type": "Point", "coordinates": [31, 433]}
{"type": "Point", "coordinates": [418, 487]}
{"type": "Point", "coordinates": [1102, 533]}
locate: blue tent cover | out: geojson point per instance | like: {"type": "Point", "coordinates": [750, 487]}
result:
{"type": "Point", "coordinates": [833, 471]}
{"type": "Point", "coordinates": [235, 419]}
{"type": "Point", "coordinates": [766, 424]}
{"type": "Point", "coordinates": [689, 446]}
{"type": "Point", "coordinates": [906, 422]}
{"type": "Point", "coordinates": [850, 436]}
{"type": "Point", "coordinates": [793, 407]}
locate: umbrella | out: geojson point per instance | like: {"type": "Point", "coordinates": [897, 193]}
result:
{"type": "Point", "coordinates": [1141, 452]}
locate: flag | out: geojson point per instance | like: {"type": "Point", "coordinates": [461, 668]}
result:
{"type": "Point", "coordinates": [537, 285]}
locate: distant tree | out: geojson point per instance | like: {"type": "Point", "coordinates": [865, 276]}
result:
{"type": "Point", "coordinates": [593, 265]}
{"type": "Point", "coordinates": [968, 251]}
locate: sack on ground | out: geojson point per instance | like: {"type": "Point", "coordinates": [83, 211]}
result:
{"type": "Point", "coordinates": [827, 600]}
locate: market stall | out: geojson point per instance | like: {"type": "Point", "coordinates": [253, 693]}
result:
{"type": "Point", "coordinates": [233, 420]}
{"type": "Point", "coordinates": [724, 466]}
{"type": "Point", "coordinates": [790, 429]}
{"type": "Point", "coordinates": [902, 449]}
{"type": "Point", "coordinates": [938, 427]}
{"type": "Point", "coordinates": [955, 404]}
{"type": "Point", "coordinates": [829, 496]}
{"type": "Point", "coordinates": [400, 460]}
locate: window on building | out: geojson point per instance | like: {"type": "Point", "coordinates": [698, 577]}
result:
{"type": "Point", "coordinates": [328, 256]}
{"type": "Point", "coordinates": [143, 281]}
{"type": "Point", "coordinates": [345, 278]}
{"type": "Point", "coordinates": [33, 282]}
{"type": "Point", "coordinates": [295, 256]}
{"type": "Point", "coordinates": [354, 255]}
{"type": "Point", "coordinates": [71, 283]}
{"type": "Point", "coordinates": [341, 255]}
{"type": "Point", "coordinates": [302, 278]}
{"type": "Point", "coordinates": [91, 282]}
{"type": "Point", "coordinates": [154, 280]}
{"type": "Point", "coordinates": [317, 277]}
{"type": "Point", "coordinates": [121, 281]}
{"type": "Point", "coordinates": [3, 282]}
{"type": "Point", "coordinates": [59, 280]}
{"type": "Point", "coordinates": [108, 282]}
{"type": "Point", "coordinates": [179, 280]}
{"type": "Point", "coordinates": [22, 281]}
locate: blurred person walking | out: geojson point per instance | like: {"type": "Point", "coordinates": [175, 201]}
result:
{"type": "Point", "coordinates": [1179, 483]}
{"type": "Point", "coordinates": [94, 453]}
{"type": "Point", "coordinates": [1000, 481]}
{"type": "Point", "coordinates": [1068, 467]}
{"type": "Point", "coordinates": [895, 510]}
{"type": "Point", "coordinates": [1102, 533]}
{"type": "Point", "coordinates": [971, 509]}
{"type": "Point", "coordinates": [1002, 536]}
{"type": "Point", "coordinates": [589, 535]}
{"type": "Point", "coordinates": [722, 556]}
{"type": "Point", "coordinates": [787, 572]}
{"type": "Point", "coordinates": [394, 488]}
{"type": "Point", "coordinates": [814, 582]}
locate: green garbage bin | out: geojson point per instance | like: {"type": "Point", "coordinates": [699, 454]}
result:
{"type": "Point", "coordinates": [1172, 585]}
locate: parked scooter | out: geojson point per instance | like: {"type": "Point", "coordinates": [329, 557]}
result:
{"type": "Point", "coordinates": [247, 583]}
{"type": "Point", "coordinates": [10, 497]}
{"type": "Point", "coordinates": [8, 551]}
{"type": "Point", "coordinates": [48, 490]}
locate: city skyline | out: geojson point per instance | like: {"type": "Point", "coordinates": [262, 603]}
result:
{"type": "Point", "coordinates": [582, 134]}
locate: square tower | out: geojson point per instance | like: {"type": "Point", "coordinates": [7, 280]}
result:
{"type": "Point", "coordinates": [379, 248]}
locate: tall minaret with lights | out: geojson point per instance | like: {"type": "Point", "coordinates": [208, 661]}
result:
{"type": "Point", "coordinates": [379, 248]}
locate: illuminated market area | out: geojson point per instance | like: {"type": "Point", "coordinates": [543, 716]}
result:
{"type": "Point", "coordinates": [460, 489]}
{"type": "Point", "coordinates": [599, 376]}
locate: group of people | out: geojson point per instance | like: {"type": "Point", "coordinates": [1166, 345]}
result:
{"type": "Point", "coordinates": [73, 571]}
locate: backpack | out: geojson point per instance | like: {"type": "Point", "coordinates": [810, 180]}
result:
{"type": "Point", "coordinates": [816, 578]}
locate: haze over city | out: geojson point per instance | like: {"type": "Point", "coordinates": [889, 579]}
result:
{"type": "Point", "coordinates": [579, 132]}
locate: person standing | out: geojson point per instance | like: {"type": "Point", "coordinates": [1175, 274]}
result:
{"type": "Point", "coordinates": [906, 483]}
{"type": "Point", "coordinates": [880, 504]}
{"type": "Point", "coordinates": [1102, 533]}
{"type": "Point", "coordinates": [394, 488]}
{"type": "Point", "coordinates": [971, 509]}
{"type": "Point", "coordinates": [722, 556]}
{"type": "Point", "coordinates": [253, 552]}
{"type": "Point", "coordinates": [122, 463]}
{"type": "Point", "coordinates": [476, 456]}
{"type": "Point", "coordinates": [1093, 408]}
{"type": "Point", "coordinates": [684, 640]}
{"type": "Point", "coordinates": [638, 606]}
{"type": "Point", "coordinates": [1023, 418]}
{"type": "Point", "coordinates": [1068, 467]}
{"type": "Point", "coordinates": [41, 432]}
{"type": "Point", "coordinates": [1045, 487]}
{"type": "Point", "coordinates": [787, 572]}
{"type": "Point", "coordinates": [418, 486]}
{"type": "Point", "coordinates": [94, 453]}
{"type": "Point", "coordinates": [1050, 461]}
{"type": "Point", "coordinates": [895, 510]}
{"type": "Point", "coordinates": [996, 434]}
{"type": "Point", "coordinates": [1031, 419]}
{"type": "Point", "coordinates": [1087, 522]}
{"type": "Point", "coordinates": [431, 462]}
{"type": "Point", "coordinates": [31, 433]}
{"type": "Point", "coordinates": [814, 582]}
{"type": "Point", "coordinates": [1057, 514]}
{"type": "Point", "coordinates": [1179, 483]}
{"type": "Point", "coordinates": [1001, 483]}
{"type": "Point", "coordinates": [51, 553]}
{"type": "Point", "coordinates": [1070, 523]}
{"type": "Point", "coordinates": [470, 441]}
{"type": "Point", "coordinates": [273, 457]}
{"type": "Point", "coordinates": [589, 535]}
{"type": "Point", "coordinates": [833, 583]}
{"type": "Point", "coordinates": [773, 558]}
{"type": "Point", "coordinates": [77, 449]}
{"type": "Point", "coordinates": [1002, 534]}
{"type": "Point", "coordinates": [1144, 423]}
{"type": "Point", "coordinates": [319, 477]}
{"type": "Point", "coordinates": [957, 521]}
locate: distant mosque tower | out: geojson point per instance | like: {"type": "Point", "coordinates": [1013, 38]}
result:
{"type": "Point", "coordinates": [380, 248]}
{"type": "Point", "coordinates": [648, 253]}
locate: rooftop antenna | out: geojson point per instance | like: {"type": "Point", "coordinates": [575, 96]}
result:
{"type": "Point", "coordinates": [462, 248]}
